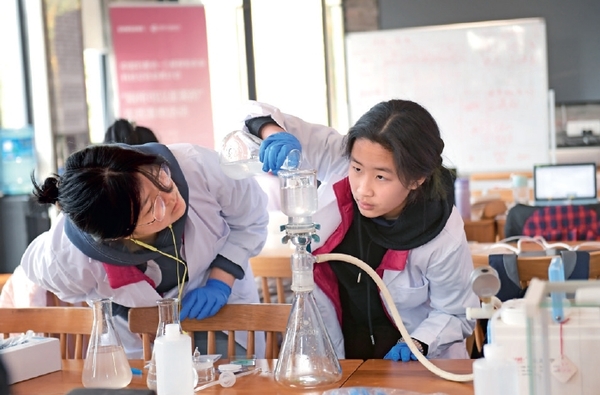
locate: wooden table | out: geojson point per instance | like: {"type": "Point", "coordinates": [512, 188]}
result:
{"type": "Point", "coordinates": [412, 376]}
{"type": "Point", "coordinates": [60, 383]}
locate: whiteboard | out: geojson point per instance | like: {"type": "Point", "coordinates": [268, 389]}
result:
{"type": "Point", "coordinates": [486, 84]}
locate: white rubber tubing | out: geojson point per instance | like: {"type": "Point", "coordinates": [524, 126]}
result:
{"type": "Point", "coordinates": [395, 315]}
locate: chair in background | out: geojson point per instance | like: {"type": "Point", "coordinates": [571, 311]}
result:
{"type": "Point", "coordinates": [272, 268]}
{"type": "Point", "coordinates": [270, 318]}
{"type": "Point", "coordinates": [554, 223]}
{"type": "Point", "coordinates": [57, 322]}
{"type": "Point", "coordinates": [3, 279]}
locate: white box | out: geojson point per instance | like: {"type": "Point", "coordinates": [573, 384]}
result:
{"type": "Point", "coordinates": [577, 339]}
{"type": "Point", "coordinates": [576, 128]}
{"type": "Point", "coordinates": [40, 355]}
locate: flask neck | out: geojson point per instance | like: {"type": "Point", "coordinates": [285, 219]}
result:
{"type": "Point", "coordinates": [168, 313]}
{"type": "Point", "coordinates": [103, 332]}
{"type": "Point", "coordinates": [302, 271]}
{"type": "Point", "coordinates": [102, 309]}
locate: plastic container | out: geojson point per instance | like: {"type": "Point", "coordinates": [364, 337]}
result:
{"type": "Point", "coordinates": [17, 160]}
{"type": "Point", "coordinates": [495, 374]}
{"type": "Point", "coordinates": [174, 370]}
{"type": "Point", "coordinates": [462, 197]}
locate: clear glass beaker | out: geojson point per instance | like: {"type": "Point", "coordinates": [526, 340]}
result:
{"type": "Point", "coordinates": [106, 364]}
{"type": "Point", "coordinates": [204, 368]}
{"type": "Point", "coordinates": [298, 193]}
{"type": "Point", "coordinates": [168, 313]}
{"type": "Point", "coordinates": [307, 358]}
{"type": "Point", "coordinates": [239, 155]}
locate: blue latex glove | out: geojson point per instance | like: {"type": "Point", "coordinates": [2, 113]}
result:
{"type": "Point", "coordinates": [275, 148]}
{"type": "Point", "coordinates": [400, 352]}
{"type": "Point", "coordinates": [205, 301]}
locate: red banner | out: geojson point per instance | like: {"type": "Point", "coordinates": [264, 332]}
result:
{"type": "Point", "coordinates": [162, 70]}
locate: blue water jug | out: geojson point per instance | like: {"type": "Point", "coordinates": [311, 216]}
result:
{"type": "Point", "coordinates": [17, 160]}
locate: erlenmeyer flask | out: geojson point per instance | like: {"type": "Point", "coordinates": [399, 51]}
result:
{"type": "Point", "coordinates": [106, 364]}
{"type": "Point", "coordinates": [307, 358]}
{"type": "Point", "coordinates": [239, 155]}
{"type": "Point", "coordinates": [168, 313]}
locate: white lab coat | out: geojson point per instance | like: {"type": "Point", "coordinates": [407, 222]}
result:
{"type": "Point", "coordinates": [225, 216]}
{"type": "Point", "coordinates": [431, 293]}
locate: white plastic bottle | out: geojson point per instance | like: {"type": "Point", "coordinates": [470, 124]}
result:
{"type": "Point", "coordinates": [495, 374]}
{"type": "Point", "coordinates": [173, 353]}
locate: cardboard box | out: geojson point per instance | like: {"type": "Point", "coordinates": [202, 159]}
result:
{"type": "Point", "coordinates": [40, 355]}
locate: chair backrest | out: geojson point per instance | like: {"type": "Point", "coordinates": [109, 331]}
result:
{"type": "Point", "coordinates": [3, 279]}
{"type": "Point", "coordinates": [270, 318]}
{"type": "Point", "coordinates": [537, 267]}
{"type": "Point", "coordinates": [583, 265]}
{"type": "Point", "coordinates": [51, 321]}
{"type": "Point", "coordinates": [273, 268]}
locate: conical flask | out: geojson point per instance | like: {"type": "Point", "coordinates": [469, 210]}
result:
{"type": "Point", "coordinates": [106, 364]}
{"type": "Point", "coordinates": [307, 358]}
{"type": "Point", "coordinates": [168, 313]}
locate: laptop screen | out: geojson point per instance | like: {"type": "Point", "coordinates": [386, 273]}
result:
{"type": "Point", "coordinates": [565, 183]}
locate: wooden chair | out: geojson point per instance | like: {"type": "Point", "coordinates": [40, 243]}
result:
{"type": "Point", "coordinates": [3, 279]}
{"type": "Point", "coordinates": [272, 267]}
{"type": "Point", "coordinates": [270, 318]}
{"type": "Point", "coordinates": [51, 321]}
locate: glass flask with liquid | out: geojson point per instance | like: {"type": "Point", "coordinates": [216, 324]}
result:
{"type": "Point", "coordinates": [168, 313]}
{"type": "Point", "coordinates": [106, 364]}
{"type": "Point", "coordinates": [307, 358]}
{"type": "Point", "coordinates": [238, 156]}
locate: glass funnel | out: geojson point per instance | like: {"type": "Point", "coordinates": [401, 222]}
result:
{"type": "Point", "coordinates": [239, 155]}
{"type": "Point", "coordinates": [168, 313]}
{"type": "Point", "coordinates": [298, 195]}
{"type": "Point", "coordinates": [106, 364]}
{"type": "Point", "coordinates": [307, 358]}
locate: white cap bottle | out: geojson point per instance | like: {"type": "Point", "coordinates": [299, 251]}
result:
{"type": "Point", "coordinates": [495, 374]}
{"type": "Point", "coordinates": [173, 351]}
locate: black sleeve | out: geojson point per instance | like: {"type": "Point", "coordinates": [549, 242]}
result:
{"type": "Point", "coordinates": [255, 125]}
{"type": "Point", "coordinates": [230, 267]}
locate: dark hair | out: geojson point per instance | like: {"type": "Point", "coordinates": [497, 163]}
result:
{"type": "Point", "coordinates": [123, 131]}
{"type": "Point", "coordinates": [99, 190]}
{"type": "Point", "coordinates": [411, 134]}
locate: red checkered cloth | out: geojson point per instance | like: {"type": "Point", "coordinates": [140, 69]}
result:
{"type": "Point", "coordinates": [563, 223]}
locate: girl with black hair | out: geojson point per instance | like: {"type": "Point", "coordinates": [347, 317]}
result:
{"type": "Point", "coordinates": [384, 198]}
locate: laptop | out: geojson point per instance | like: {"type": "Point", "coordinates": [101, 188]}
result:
{"type": "Point", "coordinates": [571, 183]}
